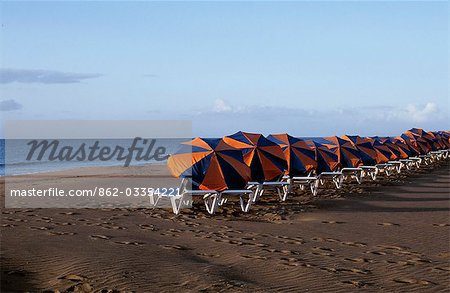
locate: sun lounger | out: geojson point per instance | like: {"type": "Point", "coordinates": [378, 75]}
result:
{"type": "Point", "coordinates": [281, 187]}
{"type": "Point", "coordinates": [336, 177]}
{"type": "Point", "coordinates": [370, 171]}
{"type": "Point", "coordinates": [408, 163]}
{"type": "Point", "coordinates": [212, 198]}
{"type": "Point", "coordinates": [245, 203]}
{"type": "Point", "coordinates": [426, 159]}
{"type": "Point", "coordinates": [417, 161]}
{"type": "Point", "coordinates": [436, 155]}
{"type": "Point", "coordinates": [303, 182]}
{"type": "Point", "coordinates": [386, 168]}
{"type": "Point", "coordinates": [397, 165]}
{"type": "Point", "coordinates": [352, 173]}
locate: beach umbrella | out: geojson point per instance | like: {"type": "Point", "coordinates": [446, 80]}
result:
{"type": "Point", "coordinates": [348, 154]}
{"type": "Point", "coordinates": [437, 143]}
{"type": "Point", "coordinates": [396, 149]}
{"type": "Point", "coordinates": [405, 145]}
{"type": "Point", "coordinates": [384, 154]}
{"type": "Point", "coordinates": [444, 143]}
{"type": "Point", "coordinates": [445, 138]}
{"type": "Point", "coordinates": [420, 143]}
{"type": "Point", "coordinates": [326, 156]}
{"type": "Point", "coordinates": [413, 149]}
{"type": "Point", "coordinates": [211, 164]}
{"type": "Point", "coordinates": [367, 153]}
{"type": "Point", "coordinates": [264, 157]}
{"type": "Point", "coordinates": [299, 155]}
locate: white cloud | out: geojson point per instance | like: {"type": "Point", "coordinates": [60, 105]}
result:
{"type": "Point", "coordinates": [221, 106]}
{"type": "Point", "coordinates": [415, 113]}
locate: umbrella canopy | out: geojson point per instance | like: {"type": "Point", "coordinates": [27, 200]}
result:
{"type": "Point", "coordinates": [445, 137]}
{"type": "Point", "coordinates": [264, 157]}
{"type": "Point", "coordinates": [348, 154]}
{"type": "Point", "coordinates": [211, 164]}
{"type": "Point", "coordinates": [413, 149]}
{"type": "Point", "coordinates": [420, 143]}
{"type": "Point", "coordinates": [398, 151]}
{"type": "Point", "coordinates": [405, 145]}
{"type": "Point", "coordinates": [299, 155]}
{"type": "Point", "coordinates": [384, 154]}
{"type": "Point", "coordinates": [326, 157]}
{"type": "Point", "coordinates": [437, 143]}
{"type": "Point", "coordinates": [367, 153]}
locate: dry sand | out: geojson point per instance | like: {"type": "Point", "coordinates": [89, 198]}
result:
{"type": "Point", "coordinates": [388, 236]}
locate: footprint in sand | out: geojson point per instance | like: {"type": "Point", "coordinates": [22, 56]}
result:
{"type": "Point", "coordinates": [136, 243]}
{"type": "Point", "coordinates": [441, 225]}
{"type": "Point", "coordinates": [254, 256]}
{"type": "Point", "coordinates": [388, 224]}
{"type": "Point", "coordinates": [208, 255]}
{"type": "Point", "coordinates": [413, 281]}
{"type": "Point", "coordinates": [148, 227]}
{"type": "Point", "coordinates": [104, 237]}
{"type": "Point", "coordinates": [69, 213]}
{"type": "Point", "coordinates": [177, 247]}
{"type": "Point", "coordinates": [8, 225]}
{"type": "Point", "coordinates": [40, 228]}
{"type": "Point", "coordinates": [393, 247]}
{"type": "Point", "coordinates": [355, 244]}
{"type": "Point", "coordinates": [323, 248]}
{"type": "Point", "coordinates": [65, 224]}
{"type": "Point", "coordinates": [55, 233]}
{"type": "Point", "coordinates": [333, 222]}
{"type": "Point", "coordinates": [358, 283]}
{"type": "Point", "coordinates": [323, 253]}
{"type": "Point", "coordinates": [377, 252]}
{"type": "Point", "coordinates": [359, 260]}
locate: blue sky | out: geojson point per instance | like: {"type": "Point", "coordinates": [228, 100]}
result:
{"type": "Point", "coordinates": [306, 68]}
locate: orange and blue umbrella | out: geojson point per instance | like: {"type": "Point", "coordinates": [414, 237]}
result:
{"type": "Point", "coordinates": [264, 157]}
{"type": "Point", "coordinates": [211, 164]}
{"type": "Point", "coordinates": [411, 147]}
{"type": "Point", "coordinates": [348, 154]}
{"type": "Point", "coordinates": [416, 136]}
{"type": "Point", "coordinates": [299, 155]}
{"type": "Point", "coordinates": [326, 157]}
{"type": "Point", "coordinates": [396, 149]}
{"type": "Point", "coordinates": [384, 154]}
{"type": "Point", "coordinates": [443, 139]}
{"type": "Point", "coordinates": [405, 146]}
{"type": "Point", "coordinates": [367, 153]}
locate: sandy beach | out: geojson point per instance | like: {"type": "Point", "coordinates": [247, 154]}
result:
{"type": "Point", "coordinates": [391, 235]}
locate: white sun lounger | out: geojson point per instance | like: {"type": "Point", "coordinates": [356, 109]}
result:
{"type": "Point", "coordinates": [386, 168]}
{"type": "Point", "coordinates": [281, 187]}
{"type": "Point", "coordinates": [426, 159]}
{"type": "Point", "coordinates": [436, 155]}
{"type": "Point", "coordinates": [336, 177]}
{"type": "Point", "coordinates": [408, 163]}
{"type": "Point", "coordinates": [242, 193]}
{"type": "Point", "coordinates": [212, 198]}
{"type": "Point", "coordinates": [370, 171]}
{"type": "Point", "coordinates": [356, 173]}
{"type": "Point", "coordinates": [417, 161]}
{"type": "Point", "coordinates": [303, 182]}
{"type": "Point", "coordinates": [397, 164]}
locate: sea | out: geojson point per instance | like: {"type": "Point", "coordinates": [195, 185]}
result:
{"type": "Point", "coordinates": [13, 155]}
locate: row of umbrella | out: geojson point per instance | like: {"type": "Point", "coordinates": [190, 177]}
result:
{"type": "Point", "coordinates": [232, 161]}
